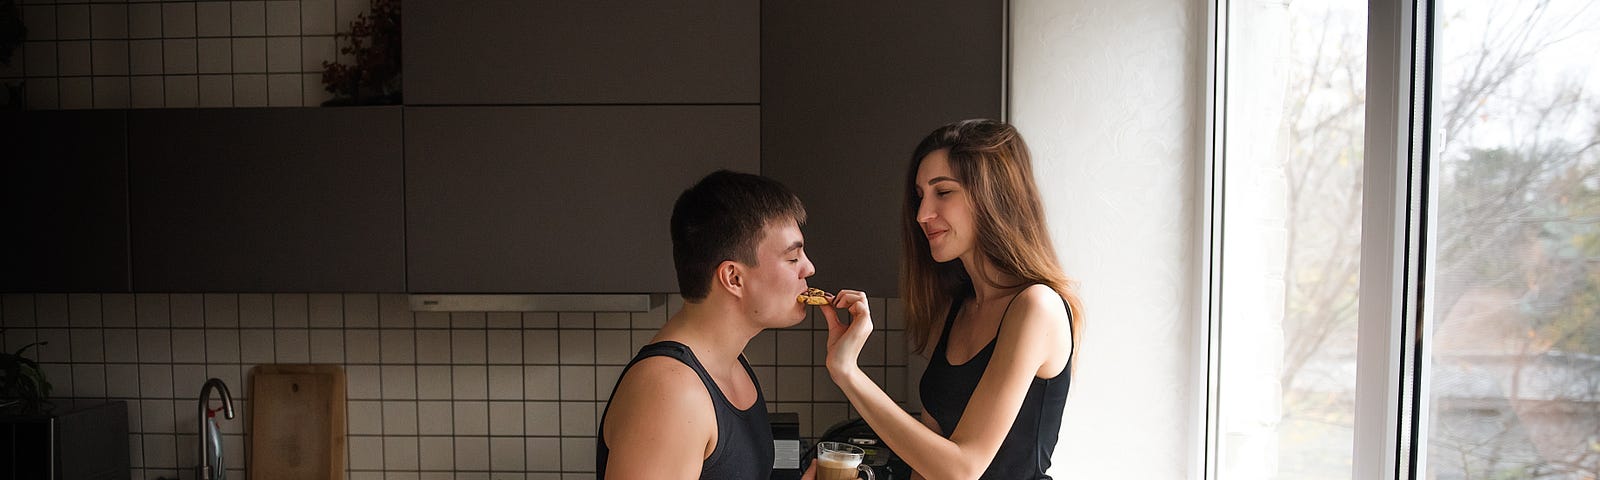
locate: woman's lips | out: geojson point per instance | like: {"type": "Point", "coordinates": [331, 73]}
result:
{"type": "Point", "coordinates": [933, 235]}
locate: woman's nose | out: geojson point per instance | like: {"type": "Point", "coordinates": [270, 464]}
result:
{"type": "Point", "coordinates": [924, 211]}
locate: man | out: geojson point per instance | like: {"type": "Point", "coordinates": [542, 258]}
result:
{"type": "Point", "coordinates": [688, 405]}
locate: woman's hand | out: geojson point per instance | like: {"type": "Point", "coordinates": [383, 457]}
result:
{"type": "Point", "coordinates": [845, 341]}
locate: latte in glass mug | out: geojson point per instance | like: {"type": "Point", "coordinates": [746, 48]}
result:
{"type": "Point", "coordinates": [840, 461]}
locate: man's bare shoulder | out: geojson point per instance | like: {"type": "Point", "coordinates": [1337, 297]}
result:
{"type": "Point", "coordinates": [660, 423]}
{"type": "Point", "coordinates": [663, 378]}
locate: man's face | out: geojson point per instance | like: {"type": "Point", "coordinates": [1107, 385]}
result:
{"type": "Point", "coordinates": [779, 275]}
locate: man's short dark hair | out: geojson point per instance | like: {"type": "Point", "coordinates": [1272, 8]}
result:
{"type": "Point", "coordinates": [721, 218]}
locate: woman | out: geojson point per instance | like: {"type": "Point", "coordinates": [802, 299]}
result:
{"type": "Point", "coordinates": [986, 300]}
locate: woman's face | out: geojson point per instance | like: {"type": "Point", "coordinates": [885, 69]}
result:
{"type": "Point", "coordinates": [944, 209]}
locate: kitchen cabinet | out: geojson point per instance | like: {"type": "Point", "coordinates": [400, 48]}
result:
{"type": "Point", "coordinates": [64, 194]}
{"type": "Point", "coordinates": [267, 200]}
{"type": "Point", "coordinates": [562, 52]}
{"type": "Point", "coordinates": [558, 199]}
{"type": "Point", "coordinates": [849, 88]}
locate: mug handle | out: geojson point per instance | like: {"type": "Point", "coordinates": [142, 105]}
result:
{"type": "Point", "coordinates": [868, 470]}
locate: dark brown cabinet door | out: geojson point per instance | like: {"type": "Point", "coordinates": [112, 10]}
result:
{"type": "Point", "coordinates": [267, 200]}
{"type": "Point", "coordinates": [850, 88]}
{"type": "Point", "coordinates": [585, 52]}
{"type": "Point", "coordinates": [558, 199]}
{"type": "Point", "coordinates": [64, 192]}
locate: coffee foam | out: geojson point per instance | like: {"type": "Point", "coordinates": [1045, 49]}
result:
{"type": "Point", "coordinates": [838, 460]}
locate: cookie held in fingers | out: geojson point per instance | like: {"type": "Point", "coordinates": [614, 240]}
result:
{"type": "Point", "coordinates": [815, 296]}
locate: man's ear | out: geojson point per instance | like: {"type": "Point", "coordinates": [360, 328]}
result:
{"type": "Point", "coordinates": [730, 277]}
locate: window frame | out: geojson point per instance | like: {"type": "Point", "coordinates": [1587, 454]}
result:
{"type": "Point", "coordinates": [1394, 330]}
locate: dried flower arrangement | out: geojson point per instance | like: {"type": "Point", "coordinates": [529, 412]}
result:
{"type": "Point", "coordinates": [374, 47]}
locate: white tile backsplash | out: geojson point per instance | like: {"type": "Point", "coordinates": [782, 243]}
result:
{"type": "Point", "coordinates": [327, 346]}
{"type": "Point", "coordinates": [436, 453]}
{"type": "Point", "coordinates": [112, 92]}
{"type": "Point", "coordinates": [469, 382]}
{"type": "Point", "coordinates": [183, 91]}
{"type": "Point", "coordinates": [215, 90]}
{"type": "Point", "coordinates": [434, 382]}
{"type": "Point", "coordinates": [292, 345]}
{"type": "Point", "coordinates": [509, 394]}
{"type": "Point", "coordinates": [366, 453]}
{"type": "Point", "coordinates": [249, 18]}
{"type": "Point", "coordinates": [472, 453]}
{"type": "Point", "coordinates": [289, 310]}
{"type": "Point", "coordinates": [148, 92]}
{"type": "Point", "coordinates": [74, 58]}
{"type": "Point", "coordinates": [72, 22]}
{"type": "Point", "coordinates": [284, 90]}
{"type": "Point", "coordinates": [364, 418]}
{"type": "Point", "coordinates": [361, 346]}
{"type": "Point", "coordinates": [399, 382]}
{"type": "Point", "coordinates": [577, 383]}
{"type": "Point", "coordinates": [505, 382]}
{"type": "Point", "coordinates": [326, 310]}
{"type": "Point", "coordinates": [399, 418]}
{"type": "Point", "coordinates": [144, 20]}
{"type": "Point", "coordinates": [213, 19]}
{"type": "Point", "coordinates": [188, 346]}
{"type": "Point", "coordinates": [39, 58]}
{"type": "Point", "coordinates": [471, 417]}
{"type": "Point", "coordinates": [108, 21]}
{"type": "Point", "coordinates": [435, 418]}
{"type": "Point", "coordinates": [317, 17]}
{"type": "Point", "coordinates": [399, 453]}
{"type": "Point", "coordinates": [177, 19]}
{"type": "Point", "coordinates": [215, 55]}
{"type": "Point", "coordinates": [40, 22]}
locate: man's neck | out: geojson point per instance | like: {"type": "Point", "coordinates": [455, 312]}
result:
{"type": "Point", "coordinates": [715, 329]}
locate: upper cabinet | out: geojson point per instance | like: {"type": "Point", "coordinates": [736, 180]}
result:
{"type": "Point", "coordinates": [267, 200]}
{"type": "Point", "coordinates": [558, 199]}
{"type": "Point", "coordinates": [851, 87]}
{"type": "Point", "coordinates": [64, 194]}
{"type": "Point", "coordinates": [501, 52]}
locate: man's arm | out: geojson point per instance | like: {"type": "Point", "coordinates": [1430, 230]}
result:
{"type": "Point", "coordinates": [660, 424]}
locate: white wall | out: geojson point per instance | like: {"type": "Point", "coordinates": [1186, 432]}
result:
{"type": "Point", "coordinates": [1108, 93]}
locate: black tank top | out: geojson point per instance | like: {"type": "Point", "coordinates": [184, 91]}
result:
{"type": "Point", "coordinates": [1025, 453]}
{"type": "Point", "coordinates": [744, 437]}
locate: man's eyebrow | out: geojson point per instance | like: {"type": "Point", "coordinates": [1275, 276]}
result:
{"type": "Point", "coordinates": [934, 180]}
{"type": "Point", "coordinates": [795, 246]}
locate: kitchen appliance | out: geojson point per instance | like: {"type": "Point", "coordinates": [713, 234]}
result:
{"type": "Point", "coordinates": [74, 441]}
{"type": "Point", "coordinates": [855, 431]}
{"type": "Point", "coordinates": [786, 446]}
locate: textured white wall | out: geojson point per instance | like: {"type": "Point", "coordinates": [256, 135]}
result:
{"type": "Point", "coordinates": [1108, 94]}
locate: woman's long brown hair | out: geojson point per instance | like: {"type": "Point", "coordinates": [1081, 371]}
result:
{"type": "Point", "coordinates": [990, 159]}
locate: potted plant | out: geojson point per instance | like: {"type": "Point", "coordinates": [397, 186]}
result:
{"type": "Point", "coordinates": [12, 33]}
{"type": "Point", "coordinates": [374, 77]}
{"type": "Point", "coordinates": [74, 440]}
{"type": "Point", "coordinates": [23, 388]}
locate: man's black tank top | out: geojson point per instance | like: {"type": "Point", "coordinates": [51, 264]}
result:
{"type": "Point", "coordinates": [744, 437]}
{"type": "Point", "coordinates": [1025, 453]}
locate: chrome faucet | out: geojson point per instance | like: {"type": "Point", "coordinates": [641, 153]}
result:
{"type": "Point", "coordinates": [210, 438]}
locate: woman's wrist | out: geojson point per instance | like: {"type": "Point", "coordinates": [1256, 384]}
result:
{"type": "Point", "coordinates": [844, 374]}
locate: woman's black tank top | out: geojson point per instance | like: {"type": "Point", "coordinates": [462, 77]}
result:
{"type": "Point", "coordinates": [744, 437]}
{"type": "Point", "coordinates": [1025, 453]}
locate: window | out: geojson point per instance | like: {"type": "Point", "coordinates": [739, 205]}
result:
{"type": "Point", "coordinates": [1445, 322]}
{"type": "Point", "coordinates": [1291, 193]}
{"type": "Point", "coordinates": [1514, 390]}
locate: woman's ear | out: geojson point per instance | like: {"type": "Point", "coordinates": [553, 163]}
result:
{"type": "Point", "coordinates": [728, 277]}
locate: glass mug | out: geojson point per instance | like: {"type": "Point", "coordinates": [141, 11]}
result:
{"type": "Point", "coordinates": [840, 461]}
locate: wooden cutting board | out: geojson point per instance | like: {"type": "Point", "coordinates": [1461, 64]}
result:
{"type": "Point", "coordinates": [297, 422]}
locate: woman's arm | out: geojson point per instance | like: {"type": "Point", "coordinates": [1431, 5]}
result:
{"type": "Point", "coordinates": [1030, 331]}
